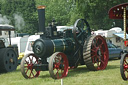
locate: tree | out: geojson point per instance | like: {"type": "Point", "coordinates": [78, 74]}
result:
{"type": "Point", "coordinates": [23, 10]}
{"type": "Point", "coordinates": [56, 9]}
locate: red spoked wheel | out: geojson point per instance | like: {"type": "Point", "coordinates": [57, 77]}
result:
{"type": "Point", "coordinates": [27, 64]}
{"type": "Point", "coordinates": [95, 53]}
{"type": "Point", "coordinates": [58, 65]}
{"type": "Point", "coordinates": [124, 66]}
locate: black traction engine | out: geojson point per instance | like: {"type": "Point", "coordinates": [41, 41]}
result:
{"type": "Point", "coordinates": [58, 51]}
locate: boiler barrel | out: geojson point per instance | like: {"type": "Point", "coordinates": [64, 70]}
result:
{"type": "Point", "coordinates": [45, 48]}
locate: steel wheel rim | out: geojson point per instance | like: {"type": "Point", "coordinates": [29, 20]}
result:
{"type": "Point", "coordinates": [58, 65]}
{"type": "Point", "coordinates": [27, 66]}
{"type": "Point", "coordinates": [99, 53]}
{"type": "Point", "coordinates": [125, 66]}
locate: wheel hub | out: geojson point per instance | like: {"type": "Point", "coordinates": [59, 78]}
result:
{"type": "Point", "coordinates": [56, 66]}
{"type": "Point", "coordinates": [125, 66]}
{"type": "Point", "coordinates": [11, 60]}
{"type": "Point", "coordinates": [30, 66]}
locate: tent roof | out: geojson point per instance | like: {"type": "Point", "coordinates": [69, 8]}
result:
{"type": "Point", "coordinates": [121, 35]}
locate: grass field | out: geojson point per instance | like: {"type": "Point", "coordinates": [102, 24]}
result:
{"type": "Point", "coordinates": [80, 76]}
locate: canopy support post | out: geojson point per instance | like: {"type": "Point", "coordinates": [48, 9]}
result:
{"type": "Point", "coordinates": [124, 16]}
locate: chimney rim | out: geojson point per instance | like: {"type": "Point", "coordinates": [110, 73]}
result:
{"type": "Point", "coordinates": [41, 7]}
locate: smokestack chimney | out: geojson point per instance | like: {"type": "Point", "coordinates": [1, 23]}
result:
{"type": "Point", "coordinates": [41, 16]}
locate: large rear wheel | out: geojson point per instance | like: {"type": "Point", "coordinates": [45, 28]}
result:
{"type": "Point", "coordinates": [8, 60]}
{"type": "Point", "coordinates": [124, 66]}
{"type": "Point", "coordinates": [95, 53]}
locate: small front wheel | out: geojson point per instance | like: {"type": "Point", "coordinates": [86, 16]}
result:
{"type": "Point", "coordinates": [27, 64]}
{"type": "Point", "coordinates": [124, 66]}
{"type": "Point", "coordinates": [58, 65]}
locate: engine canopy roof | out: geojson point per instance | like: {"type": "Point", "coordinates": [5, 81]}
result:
{"type": "Point", "coordinates": [116, 12]}
{"type": "Point", "coordinates": [6, 27]}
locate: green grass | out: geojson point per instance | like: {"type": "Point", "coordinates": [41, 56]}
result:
{"type": "Point", "coordinates": [80, 76]}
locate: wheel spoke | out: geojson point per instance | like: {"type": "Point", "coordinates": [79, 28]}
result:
{"type": "Point", "coordinates": [57, 59]}
{"type": "Point", "coordinates": [93, 55]}
{"type": "Point", "coordinates": [25, 66]}
{"type": "Point", "coordinates": [101, 59]}
{"type": "Point", "coordinates": [26, 71]}
{"type": "Point", "coordinates": [95, 41]}
{"type": "Point", "coordinates": [79, 35]}
{"type": "Point", "coordinates": [124, 69]}
{"type": "Point", "coordinates": [93, 50]}
{"type": "Point", "coordinates": [35, 62]}
{"type": "Point", "coordinates": [30, 73]}
{"type": "Point", "coordinates": [81, 28]}
{"type": "Point", "coordinates": [101, 45]}
{"type": "Point", "coordinates": [27, 62]}
{"type": "Point", "coordinates": [33, 74]}
{"type": "Point", "coordinates": [30, 59]}
{"type": "Point", "coordinates": [94, 45]}
{"type": "Point", "coordinates": [57, 73]}
{"type": "Point", "coordinates": [61, 73]}
{"type": "Point", "coordinates": [95, 60]}
{"type": "Point", "coordinates": [125, 61]}
{"type": "Point", "coordinates": [127, 70]}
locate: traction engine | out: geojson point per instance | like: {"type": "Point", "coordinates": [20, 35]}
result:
{"type": "Point", "coordinates": [59, 51]}
{"type": "Point", "coordinates": [121, 12]}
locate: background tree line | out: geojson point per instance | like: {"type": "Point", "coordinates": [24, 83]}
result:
{"type": "Point", "coordinates": [23, 13]}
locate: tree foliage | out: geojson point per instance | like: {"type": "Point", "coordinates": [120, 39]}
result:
{"type": "Point", "coordinates": [96, 11]}
{"type": "Point", "coordinates": [65, 12]}
{"type": "Point", "coordinates": [56, 9]}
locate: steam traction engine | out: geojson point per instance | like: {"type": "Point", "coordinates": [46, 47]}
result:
{"type": "Point", "coordinates": [121, 12]}
{"type": "Point", "coordinates": [59, 51]}
{"type": "Point", "coordinates": [8, 54]}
